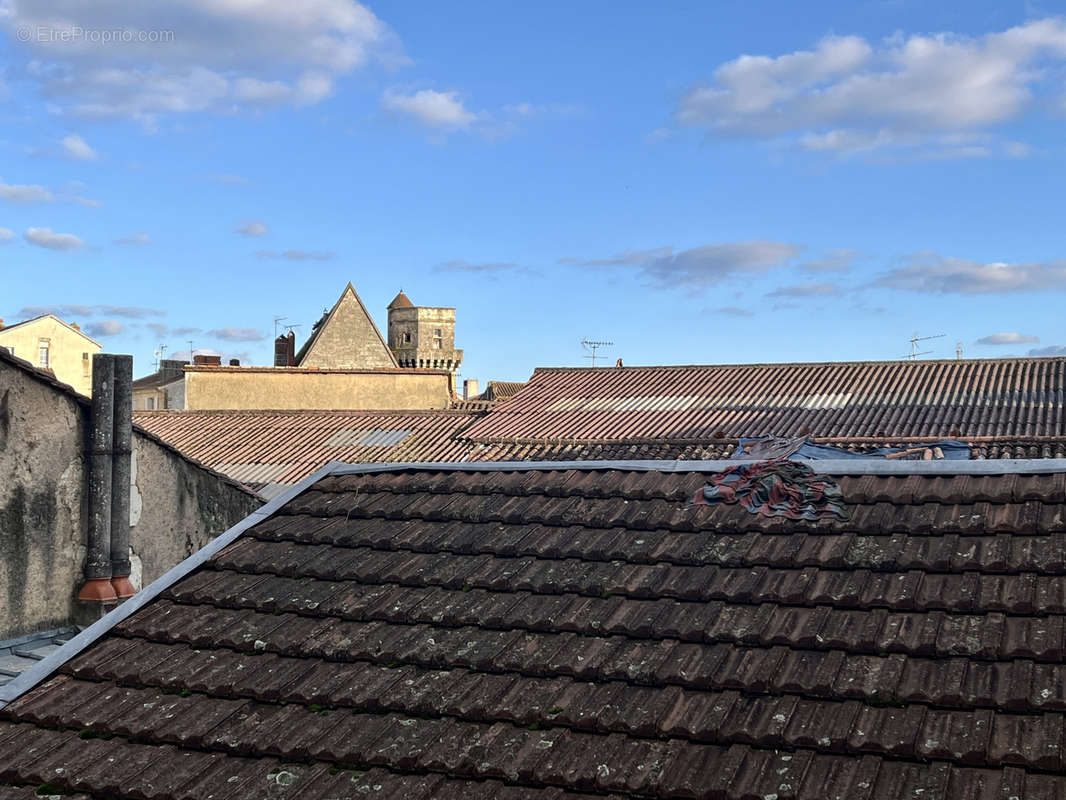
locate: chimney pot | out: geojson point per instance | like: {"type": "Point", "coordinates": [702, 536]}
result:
{"type": "Point", "coordinates": [2, 325]}
{"type": "Point", "coordinates": [234, 362]}
{"type": "Point", "coordinates": [75, 326]}
{"type": "Point", "coordinates": [469, 388]}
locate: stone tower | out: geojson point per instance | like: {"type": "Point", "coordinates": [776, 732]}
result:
{"type": "Point", "coordinates": [421, 337]}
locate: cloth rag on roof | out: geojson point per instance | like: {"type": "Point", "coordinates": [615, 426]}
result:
{"type": "Point", "coordinates": [776, 488]}
{"type": "Point", "coordinates": [761, 448]}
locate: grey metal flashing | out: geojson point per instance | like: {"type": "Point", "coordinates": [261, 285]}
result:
{"type": "Point", "coordinates": [844, 466]}
{"type": "Point", "coordinates": [43, 669]}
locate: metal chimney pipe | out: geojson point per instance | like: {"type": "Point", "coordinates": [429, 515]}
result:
{"type": "Point", "coordinates": [121, 447]}
{"type": "Point", "coordinates": [97, 586]}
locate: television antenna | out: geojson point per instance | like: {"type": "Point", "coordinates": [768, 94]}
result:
{"type": "Point", "coordinates": [276, 321]}
{"type": "Point", "coordinates": [914, 345]}
{"type": "Point", "coordinates": [592, 347]}
{"type": "Point", "coordinates": [289, 327]}
{"type": "Point", "coordinates": [159, 356]}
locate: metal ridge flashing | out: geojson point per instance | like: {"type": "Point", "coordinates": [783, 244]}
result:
{"type": "Point", "coordinates": [827, 466]}
{"type": "Point", "coordinates": [43, 669]}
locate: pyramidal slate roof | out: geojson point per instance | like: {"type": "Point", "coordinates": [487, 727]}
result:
{"type": "Point", "coordinates": [580, 630]}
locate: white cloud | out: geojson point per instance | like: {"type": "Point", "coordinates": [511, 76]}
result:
{"type": "Point", "coordinates": [433, 109]}
{"type": "Point", "coordinates": [207, 55]}
{"type": "Point", "coordinates": [836, 260]}
{"type": "Point", "coordinates": [6, 235]}
{"type": "Point", "coordinates": [699, 266]}
{"type": "Point", "coordinates": [77, 148]}
{"type": "Point", "coordinates": [1050, 350]}
{"type": "Point", "coordinates": [805, 290]}
{"type": "Point", "coordinates": [297, 255]}
{"type": "Point", "coordinates": [25, 193]}
{"type": "Point", "coordinates": [106, 327]}
{"type": "Point", "coordinates": [848, 95]}
{"type": "Point", "coordinates": [43, 237]}
{"type": "Point", "coordinates": [1008, 338]}
{"type": "Point", "coordinates": [231, 334]}
{"type": "Point", "coordinates": [134, 238]}
{"type": "Point", "coordinates": [253, 228]}
{"type": "Point", "coordinates": [931, 272]}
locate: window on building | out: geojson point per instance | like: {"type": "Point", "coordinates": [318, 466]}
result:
{"type": "Point", "coordinates": [149, 403]}
{"type": "Point", "coordinates": [407, 337]}
{"type": "Point", "coordinates": [438, 339]}
{"type": "Point", "coordinates": [86, 365]}
{"type": "Point", "coordinates": [43, 354]}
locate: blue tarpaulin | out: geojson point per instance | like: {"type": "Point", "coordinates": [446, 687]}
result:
{"type": "Point", "coordinates": [766, 447]}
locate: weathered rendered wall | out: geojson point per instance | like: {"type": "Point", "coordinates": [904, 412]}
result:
{"type": "Point", "coordinates": [276, 388]}
{"type": "Point", "coordinates": [42, 502]}
{"type": "Point", "coordinates": [176, 505]}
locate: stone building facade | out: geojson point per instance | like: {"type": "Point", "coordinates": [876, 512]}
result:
{"type": "Point", "coordinates": [423, 337]}
{"type": "Point", "coordinates": [346, 338]}
{"type": "Point", "coordinates": [51, 344]}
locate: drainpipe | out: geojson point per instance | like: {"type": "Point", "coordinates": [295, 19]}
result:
{"type": "Point", "coordinates": [97, 586]}
{"type": "Point", "coordinates": [121, 448]}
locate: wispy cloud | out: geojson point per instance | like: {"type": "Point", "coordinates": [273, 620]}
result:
{"type": "Point", "coordinates": [932, 272]}
{"type": "Point", "coordinates": [253, 228]}
{"type": "Point", "coordinates": [297, 255]}
{"type": "Point", "coordinates": [44, 237]}
{"type": "Point", "coordinates": [837, 260]}
{"type": "Point", "coordinates": [77, 148]}
{"type": "Point", "coordinates": [735, 311]}
{"type": "Point", "coordinates": [805, 290]}
{"type": "Point", "coordinates": [697, 267]}
{"type": "Point", "coordinates": [1050, 350]}
{"type": "Point", "coordinates": [461, 265]}
{"type": "Point", "coordinates": [6, 235]}
{"type": "Point", "coordinates": [430, 108]}
{"type": "Point", "coordinates": [106, 327]}
{"type": "Point", "coordinates": [231, 334]}
{"type": "Point", "coordinates": [76, 310]}
{"type": "Point", "coordinates": [25, 193]}
{"type": "Point", "coordinates": [1008, 338]}
{"type": "Point", "coordinates": [134, 239]}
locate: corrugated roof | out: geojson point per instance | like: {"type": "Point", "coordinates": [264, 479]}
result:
{"type": "Point", "coordinates": [580, 633]}
{"type": "Point", "coordinates": [282, 447]}
{"type": "Point", "coordinates": [1018, 398]}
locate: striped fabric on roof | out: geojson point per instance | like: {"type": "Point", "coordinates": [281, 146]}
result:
{"type": "Point", "coordinates": [1021, 398]}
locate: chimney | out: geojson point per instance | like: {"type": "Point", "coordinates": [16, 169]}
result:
{"type": "Point", "coordinates": [285, 350]}
{"type": "Point", "coordinates": [172, 369]}
{"type": "Point", "coordinates": [234, 362]}
{"type": "Point", "coordinates": [121, 465]}
{"type": "Point", "coordinates": [2, 325]}
{"type": "Point", "coordinates": [97, 587]}
{"type": "Point", "coordinates": [75, 326]}
{"type": "Point", "coordinates": [470, 388]}
{"type": "Point", "coordinates": [207, 361]}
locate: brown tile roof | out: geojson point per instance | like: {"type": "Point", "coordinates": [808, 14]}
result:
{"type": "Point", "coordinates": [1013, 399]}
{"type": "Point", "coordinates": [401, 301]}
{"type": "Point", "coordinates": [585, 632]}
{"type": "Point", "coordinates": [501, 390]}
{"type": "Point", "coordinates": [280, 448]}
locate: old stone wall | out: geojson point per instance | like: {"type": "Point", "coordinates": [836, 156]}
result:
{"type": "Point", "coordinates": [176, 505]}
{"type": "Point", "coordinates": [276, 388]}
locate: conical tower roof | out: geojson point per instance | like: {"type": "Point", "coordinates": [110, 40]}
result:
{"type": "Point", "coordinates": [401, 301]}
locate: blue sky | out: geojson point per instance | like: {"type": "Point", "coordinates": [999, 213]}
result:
{"type": "Point", "coordinates": [698, 182]}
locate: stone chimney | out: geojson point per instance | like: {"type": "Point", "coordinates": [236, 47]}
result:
{"type": "Point", "coordinates": [470, 388]}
